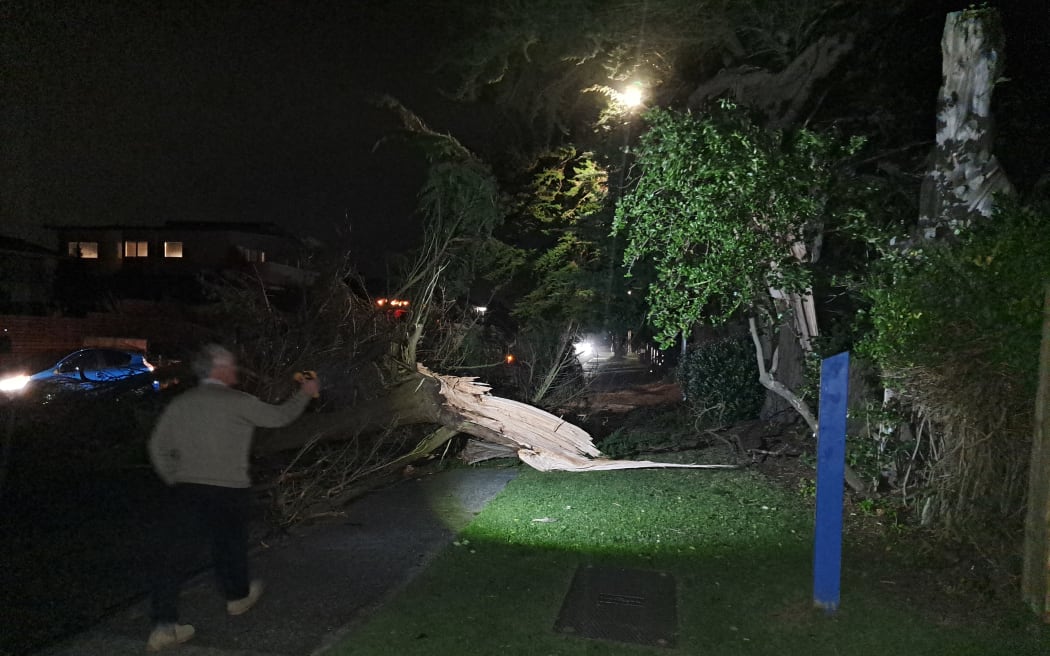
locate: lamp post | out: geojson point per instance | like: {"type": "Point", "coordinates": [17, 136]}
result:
{"type": "Point", "coordinates": [627, 101]}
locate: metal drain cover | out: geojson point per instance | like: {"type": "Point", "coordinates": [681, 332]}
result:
{"type": "Point", "coordinates": [622, 605]}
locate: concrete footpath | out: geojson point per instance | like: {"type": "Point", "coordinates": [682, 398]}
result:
{"type": "Point", "coordinates": [322, 579]}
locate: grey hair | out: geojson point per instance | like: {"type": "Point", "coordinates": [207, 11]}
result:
{"type": "Point", "coordinates": [208, 357]}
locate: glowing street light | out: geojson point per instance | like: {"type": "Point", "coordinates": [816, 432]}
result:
{"type": "Point", "coordinates": [632, 96]}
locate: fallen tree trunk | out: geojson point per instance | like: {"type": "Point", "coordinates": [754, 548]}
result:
{"type": "Point", "coordinates": [462, 405]}
{"type": "Point", "coordinates": [413, 401]}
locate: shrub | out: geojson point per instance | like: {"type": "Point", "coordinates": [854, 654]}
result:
{"type": "Point", "coordinates": [956, 330]}
{"type": "Point", "coordinates": [720, 381]}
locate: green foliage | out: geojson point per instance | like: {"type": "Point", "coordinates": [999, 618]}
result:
{"type": "Point", "coordinates": [564, 283]}
{"type": "Point", "coordinates": [807, 487]}
{"type": "Point", "coordinates": [717, 209]}
{"type": "Point", "coordinates": [956, 329]}
{"type": "Point", "coordinates": [558, 209]}
{"type": "Point", "coordinates": [459, 207]}
{"type": "Point", "coordinates": [645, 430]}
{"type": "Point", "coordinates": [621, 443]}
{"type": "Point", "coordinates": [869, 457]}
{"type": "Point", "coordinates": [979, 299]}
{"type": "Point", "coordinates": [567, 187]}
{"type": "Point", "coordinates": [878, 451]}
{"type": "Point", "coordinates": [720, 381]}
{"type": "Point", "coordinates": [563, 213]}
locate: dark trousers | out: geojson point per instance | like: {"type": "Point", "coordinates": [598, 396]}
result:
{"type": "Point", "coordinates": [222, 514]}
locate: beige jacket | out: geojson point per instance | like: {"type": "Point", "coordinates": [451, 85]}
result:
{"type": "Point", "coordinates": [205, 435]}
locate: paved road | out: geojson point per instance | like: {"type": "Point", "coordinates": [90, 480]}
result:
{"type": "Point", "coordinates": [321, 579]}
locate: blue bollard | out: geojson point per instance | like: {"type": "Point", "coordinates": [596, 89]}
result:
{"type": "Point", "coordinates": [831, 464]}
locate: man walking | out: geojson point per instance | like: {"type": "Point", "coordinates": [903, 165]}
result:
{"type": "Point", "coordinates": [200, 448]}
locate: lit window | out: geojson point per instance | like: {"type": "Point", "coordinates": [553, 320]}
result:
{"type": "Point", "coordinates": [173, 249]}
{"type": "Point", "coordinates": [87, 250]}
{"type": "Point", "coordinates": [136, 249]}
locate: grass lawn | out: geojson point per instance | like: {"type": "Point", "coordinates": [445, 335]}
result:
{"type": "Point", "coordinates": [738, 546]}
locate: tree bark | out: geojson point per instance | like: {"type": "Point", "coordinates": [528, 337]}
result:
{"type": "Point", "coordinates": [765, 377]}
{"type": "Point", "coordinates": [964, 176]}
{"type": "Point", "coordinates": [773, 385]}
{"type": "Point", "coordinates": [413, 401]}
{"type": "Point", "coordinates": [780, 96]}
{"type": "Point", "coordinates": [787, 370]}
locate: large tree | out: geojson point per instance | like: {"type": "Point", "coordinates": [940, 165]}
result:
{"type": "Point", "coordinates": [733, 216]}
{"type": "Point", "coordinates": [785, 62]}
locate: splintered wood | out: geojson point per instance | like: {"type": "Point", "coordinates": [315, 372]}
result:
{"type": "Point", "coordinates": [541, 440]}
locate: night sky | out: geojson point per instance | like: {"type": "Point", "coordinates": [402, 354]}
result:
{"type": "Point", "coordinates": [209, 111]}
{"type": "Point", "coordinates": [229, 111]}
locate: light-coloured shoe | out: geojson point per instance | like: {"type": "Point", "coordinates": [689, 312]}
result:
{"type": "Point", "coordinates": [242, 606]}
{"type": "Point", "coordinates": [169, 635]}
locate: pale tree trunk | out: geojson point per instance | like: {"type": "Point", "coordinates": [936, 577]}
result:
{"type": "Point", "coordinates": [767, 379]}
{"type": "Point", "coordinates": [790, 344]}
{"type": "Point", "coordinates": [785, 366]}
{"type": "Point", "coordinates": [794, 340]}
{"type": "Point", "coordinates": [964, 176]}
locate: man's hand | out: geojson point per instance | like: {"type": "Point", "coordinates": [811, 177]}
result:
{"type": "Point", "coordinates": [309, 382]}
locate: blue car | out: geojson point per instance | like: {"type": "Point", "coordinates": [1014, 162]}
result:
{"type": "Point", "coordinates": [85, 370]}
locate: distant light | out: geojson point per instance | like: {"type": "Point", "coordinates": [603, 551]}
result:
{"type": "Point", "coordinates": [509, 359]}
{"type": "Point", "coordinates": [582, 348]}
{"type": "Point", "coordinates": [480, 309]}
{"type": "Point", "coordinates": [13, 384]}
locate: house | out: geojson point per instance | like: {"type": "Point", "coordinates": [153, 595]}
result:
{"type": "Point", "coordinates": [159, 261]}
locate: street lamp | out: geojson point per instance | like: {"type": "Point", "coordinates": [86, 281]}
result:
{"type": "Point", "coordinates": [632, 96]}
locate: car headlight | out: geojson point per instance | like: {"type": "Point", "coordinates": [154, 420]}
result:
{"type": "Point", "coordinates": [13, 384]}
